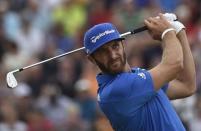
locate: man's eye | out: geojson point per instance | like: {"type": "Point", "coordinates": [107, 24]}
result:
{"type": "Point", "coordinates": [115, 46]}
{"type": "Point", "coordinates": [101, 50]}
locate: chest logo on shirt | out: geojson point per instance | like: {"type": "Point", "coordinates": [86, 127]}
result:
{"type": "Point", "coordinates": [142, 75]}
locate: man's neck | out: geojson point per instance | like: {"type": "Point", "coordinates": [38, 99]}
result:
{"type": "Point", "coordinates": [127, 68]}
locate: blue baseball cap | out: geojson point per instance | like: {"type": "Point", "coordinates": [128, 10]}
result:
{"type": "Point", "coordinates": [99, 35]}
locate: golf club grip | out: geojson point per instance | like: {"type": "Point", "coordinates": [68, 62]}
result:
{"type": "Point", "coordinates": [140, 29]}
{"type": "Point", "coordinates": [143, 28]}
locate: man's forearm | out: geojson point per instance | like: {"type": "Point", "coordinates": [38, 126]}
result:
{"type": "Point", "coordinates": [172, 50]}
{"type": "Point", "coordinates": [172, 57]}
{"type": "Point", "coordinates": [187, 75]}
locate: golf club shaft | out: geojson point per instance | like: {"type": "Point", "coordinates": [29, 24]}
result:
{"type": "Point", "coordinates": [140, 29]}
{"type": "Point", "coordinates": [52, 58]}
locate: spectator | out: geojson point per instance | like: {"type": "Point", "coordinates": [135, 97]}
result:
{"type": "Point", "coordinates": [29, 39]}
{"type": "Point", "coordinates": [74, 10]}
{"type": "Point", "coordinates": [55, 106]}
{"type": "Point", "coordinates": [86, 102]}
{"type": "Point", "coordinates": [38, 122]}
{"type": "Point", "coordinates": [195, 122]}
{"type": "Point", "coordinates": [10, 118]}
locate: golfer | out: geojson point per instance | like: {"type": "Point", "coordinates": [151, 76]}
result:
{"type": "Point", "coordinates": [135, 99]}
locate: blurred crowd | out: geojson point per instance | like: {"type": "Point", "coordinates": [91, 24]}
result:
{"type": "Point", "coordinates": [61, 95]}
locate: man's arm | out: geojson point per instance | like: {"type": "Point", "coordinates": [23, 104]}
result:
{"type": "Point", "coordinates": [184, 85]}
{"type": "Point", "coordinates": [172, 58]}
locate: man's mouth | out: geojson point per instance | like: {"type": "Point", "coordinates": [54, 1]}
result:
{"type": "Point", "coordinates": [114, 62]}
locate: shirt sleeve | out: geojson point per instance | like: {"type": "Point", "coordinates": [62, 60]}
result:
{"type": "Point", "coordinates": [165, 87]}
{"type": "Point", "coordinates": [142, 86]}
{"type": "Point", "coordinates": [136, 86]}
{"type": "Point", "coordinates": [132, 90]}
{"type": "Point", "coordinates": [132, 85]}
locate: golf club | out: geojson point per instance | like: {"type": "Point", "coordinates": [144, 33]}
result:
{"type": "Point", "coordinates": [12, 82]}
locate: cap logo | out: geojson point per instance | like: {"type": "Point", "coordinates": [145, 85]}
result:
{"type": "Point", "coordinates": [95, 38]}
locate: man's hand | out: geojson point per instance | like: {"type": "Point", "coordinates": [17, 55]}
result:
{"type": "Point", "coordinates": [169, 17]}
{"type": "Point", "coordinates": [172, 19]}
{"type": "Point", "coordinates": [157, 26]}
{"type": "Point", "coordinates": [178, 26]}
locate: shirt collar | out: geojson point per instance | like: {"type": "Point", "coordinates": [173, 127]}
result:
{"type": "Point", "coordinates": [105, 78]}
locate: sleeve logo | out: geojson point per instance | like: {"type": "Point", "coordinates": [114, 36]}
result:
{"type": "Point", "coordinates": [142, 75]}
{"type": "Point", "coordinates": [98, 97]}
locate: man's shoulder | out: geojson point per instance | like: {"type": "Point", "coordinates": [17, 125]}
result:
{"type": "Point", "coordinates": [121, 85]}
{"type": "Point", "coordinates": [116, 89]}
{"type": "Point", "coordinates": [122, 80]}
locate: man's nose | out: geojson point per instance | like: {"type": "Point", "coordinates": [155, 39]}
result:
{"type": "Point", "coordinates": [113, 54]}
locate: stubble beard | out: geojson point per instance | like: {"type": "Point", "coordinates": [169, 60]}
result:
{"type": "Point", "coordinates": [107, 69]}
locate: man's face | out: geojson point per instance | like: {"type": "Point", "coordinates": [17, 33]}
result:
{"type": "Point", "coordinates": [110, 58]}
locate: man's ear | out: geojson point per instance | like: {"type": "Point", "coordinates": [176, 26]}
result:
{"type": "Point", "coordinates": [123, 44]}
{"type": "Point", "coordinates": [91, 59]}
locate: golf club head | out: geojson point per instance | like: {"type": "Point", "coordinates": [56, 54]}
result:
{"type": "Point", "coordinates": [11, 81]}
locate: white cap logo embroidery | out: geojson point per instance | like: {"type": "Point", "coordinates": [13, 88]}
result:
{"type": "Point", "coordinates": [95, 38]}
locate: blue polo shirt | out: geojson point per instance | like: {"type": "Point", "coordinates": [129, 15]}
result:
{"type": "Point", "coordinates": [130, 103]}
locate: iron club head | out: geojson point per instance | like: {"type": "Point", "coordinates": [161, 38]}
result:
{"type": "Point", "coordinates": [11, 80]}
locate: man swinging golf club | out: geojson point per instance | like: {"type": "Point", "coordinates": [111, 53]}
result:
{"type": "Point", "coordinates": [135, 99]}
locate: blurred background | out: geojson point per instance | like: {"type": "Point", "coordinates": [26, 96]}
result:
{"type": "Point", "coordinates": [61, 95]}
